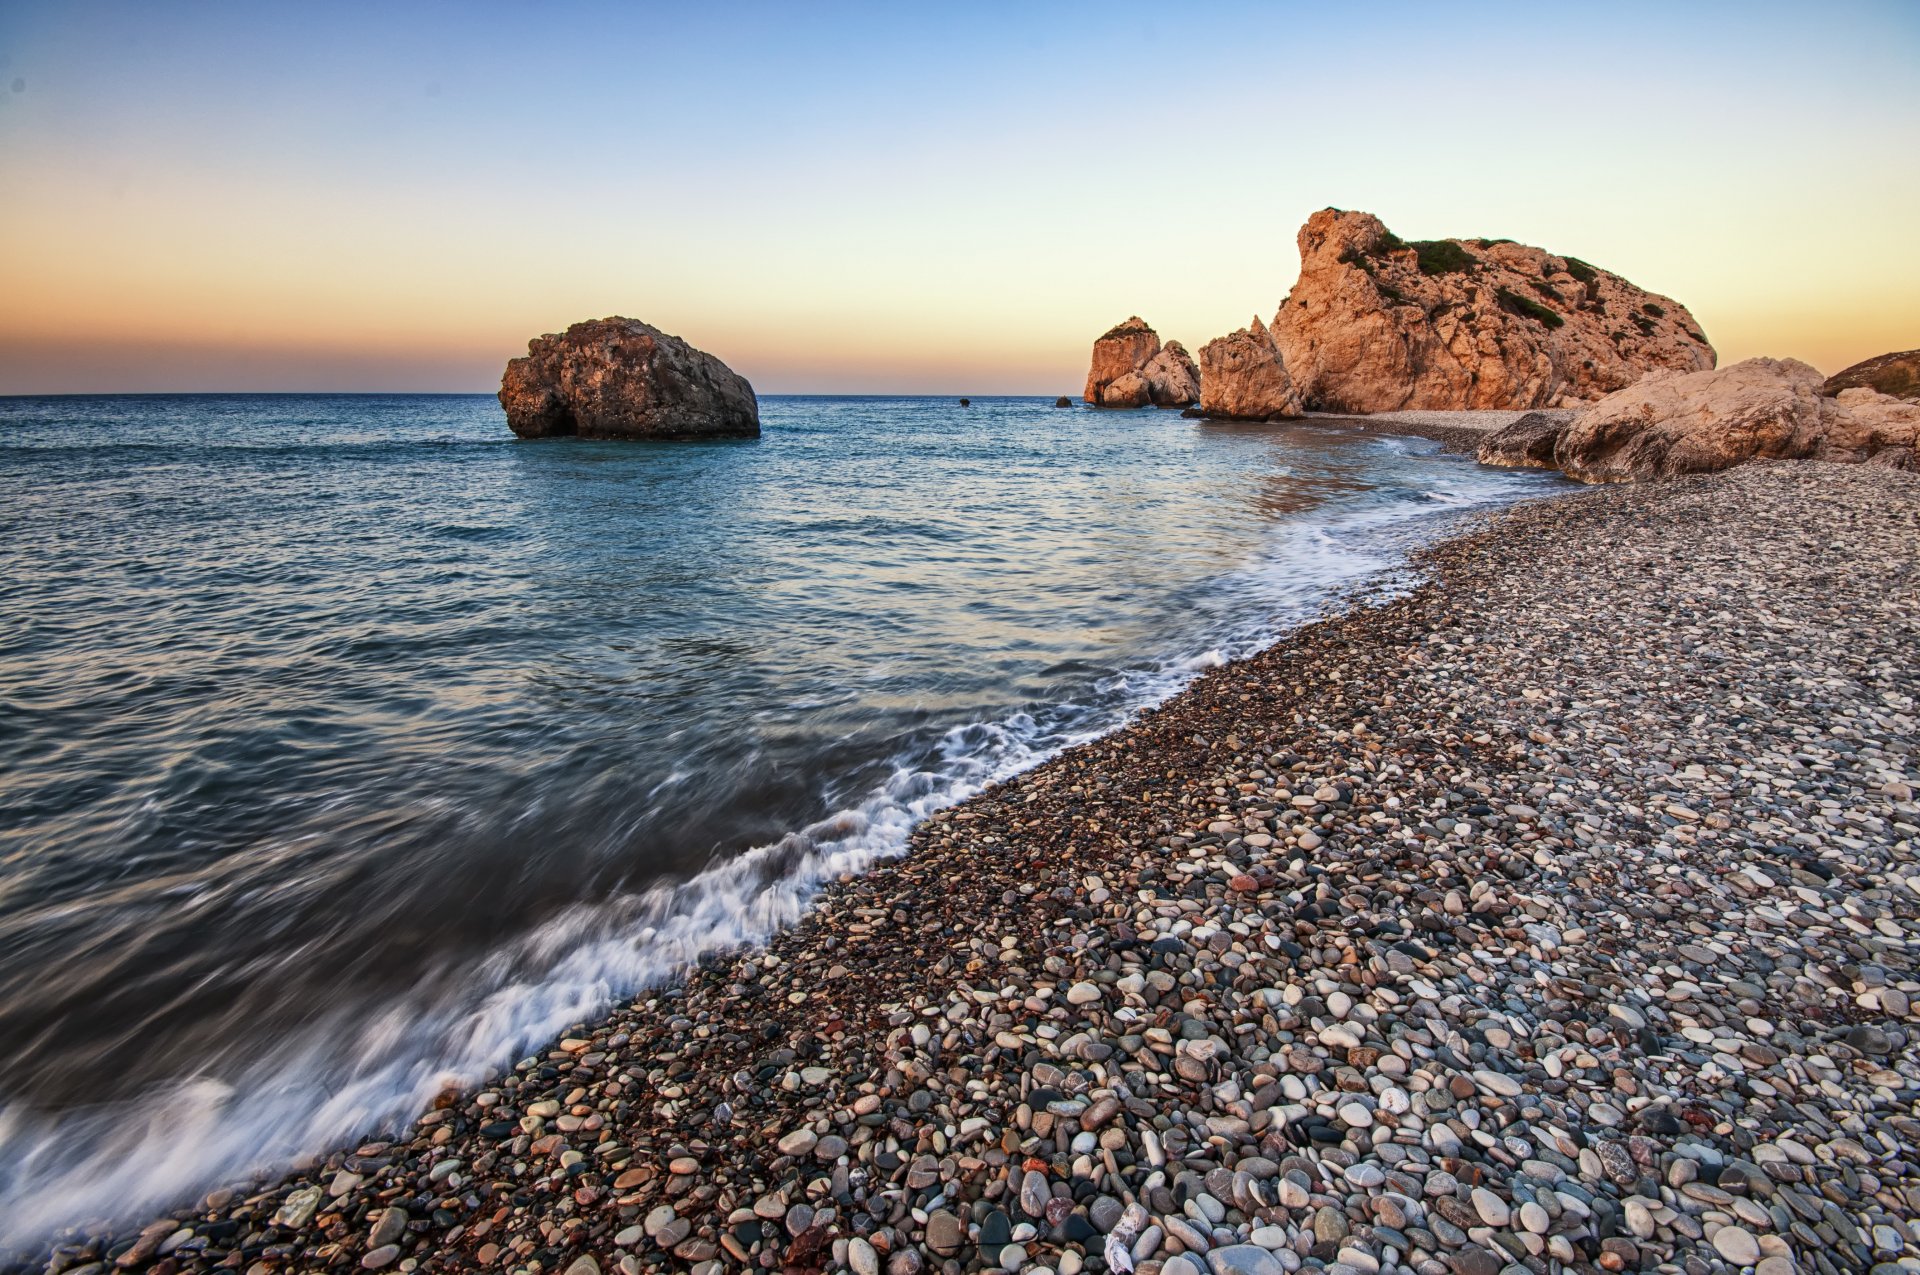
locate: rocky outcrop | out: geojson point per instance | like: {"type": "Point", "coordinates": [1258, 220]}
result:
{"type": "Point", "coordinates": [621, 378]}
{"type": "Point", "coordinates": [1243, 377]}
{"type": "Point", "coordinates": [1130, 368]}
{"type": "Point", "coordinates": [1172, 378]}
{"type": "Point", "coordinates": [1673, 423]}
{"type": "Point", "coordinates": [1377, 324]}
{"type": "Point", "coordinates": [1528, 443]}
{"type": "Point", "coordinates": [1897, 375]}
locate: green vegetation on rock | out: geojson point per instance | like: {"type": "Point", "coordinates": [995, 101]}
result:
{"type": "Point", "coordinates": [1528, 308]}
{"type": "Point", "coordinates": [1443, 256]}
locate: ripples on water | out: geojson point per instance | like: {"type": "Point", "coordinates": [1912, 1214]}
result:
{"type": "Point", "coordinates": [349, 746]}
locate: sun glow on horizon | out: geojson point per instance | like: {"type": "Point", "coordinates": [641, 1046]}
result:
{"type": "Point", "coordinates": [871, 200]}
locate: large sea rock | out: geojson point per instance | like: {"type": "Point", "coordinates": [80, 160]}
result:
{"type": "Point", "coordinates": [621, 378]}
{"type": "Point", "coordinates": [1376, 324]}
{"type": "Point", "coordinates": [1698, 422]}
{"type": "Point", "coordinates": [1130, 368]}
{"type": "Point", "coordinates": [1243, 377]}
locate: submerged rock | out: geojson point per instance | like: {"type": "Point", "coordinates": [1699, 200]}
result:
{"type": "Point", "coordinates": [1378, 324]}
{"type": "Point", "coordinates": [621, 378]}
{"type": "Point", "coordinates": [1243, 377]}
{"type": "Point", "coordinates": [1130, 368]}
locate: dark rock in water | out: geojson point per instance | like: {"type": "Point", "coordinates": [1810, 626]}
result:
{"type": "Point", "coordinates": [1527, 443]}
{"type": "Point", "coordinates": [1063, 401]}
{"type": "Point", "coordinates": [966, 402]}
{"type": "Point", "coordinates": [621, 378]}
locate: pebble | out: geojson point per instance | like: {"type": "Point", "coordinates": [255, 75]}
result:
{"type": "Point", "coordinates": [1493, 1210]}
{"type": "Point", "coordinates": [1737, 1245]}
{"type": "Point", "coordinates": [1243, 1259]}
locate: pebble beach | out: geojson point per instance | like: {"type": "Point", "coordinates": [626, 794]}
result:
{"type": "Point", "coordinates": [1556, 915]}
{"type": "Point", "coordinates": [1457, 431]}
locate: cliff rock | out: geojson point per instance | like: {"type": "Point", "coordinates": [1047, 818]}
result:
{"type": "Point", "coordinates": [1897, 375]}
{"type": "Point", "coordinates": [1683, 423]}
{"type": "Point", "coordinates": [1376, 324]}
{"type": "Point", "coordinates": [1130, 368]}
{"type": "Point", "coordinates": [1243, 377]}
{"type": "Point", "coordinates": [621, 378]}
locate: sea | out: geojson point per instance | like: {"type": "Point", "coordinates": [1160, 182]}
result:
{"type": "Point", "coordinates": [352, 748]}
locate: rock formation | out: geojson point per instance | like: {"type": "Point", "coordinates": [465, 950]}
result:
{"type": "Point", "coordinates": [1063, 401]}
{"type": "Point", "coordinates": [1131, 368]}
{"type": "Point", "coordinates": [1897, 375]}
{"type": "Point", "coordinates": [1682, 423]}
{"type": "Point", "coordinates": [621, 378]}
{"type": "Point", "coordinates": [1243, 377]}
{"type": "Point", "coordinates": [1528, 443]}
{"type": "Point", "coordinates": [1375, 324]}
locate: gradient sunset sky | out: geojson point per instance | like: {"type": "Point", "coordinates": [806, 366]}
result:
{"type": "Point", "coordinates": [899, 197]}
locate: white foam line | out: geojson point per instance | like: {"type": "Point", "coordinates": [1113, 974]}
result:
{"type": "Point", "coordinates": [346, 1078]}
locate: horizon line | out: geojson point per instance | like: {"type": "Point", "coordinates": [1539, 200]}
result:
{"type": "Point", "coordinates": [494, 394]}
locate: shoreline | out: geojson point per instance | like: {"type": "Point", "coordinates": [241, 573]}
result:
{"type": "Point", "coordinates": [1131, 1045]}
{"type": "Point", "coordinates": [1458, 432]}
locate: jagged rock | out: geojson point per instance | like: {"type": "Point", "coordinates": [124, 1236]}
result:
{"type": "Point", "coordinates": [1672, 423]}
{"type": "Point", "coordinates": [1172, 378]}
{"type": "Point", "coordinates": [1528, 443]}
{"type": "Point", "coordinates": [1063, 401]}
{"type": "Point", "coordinates": [1375, 324]}
{"type": "Point", "coordinates": [1130, 368]}
{"type": "Point", "coordinates": [1243, 377]}
{"type": "Point", "coordinates": [1904, 458]}
{"type": "Point", "coordinates": [1130, 390]}
{"type": "Point", "coordinates": [1881, 420]}
{"type": "Point", "coordinates": [1894, 374]}
{"type": "Point", "coordinates": [621, 378]}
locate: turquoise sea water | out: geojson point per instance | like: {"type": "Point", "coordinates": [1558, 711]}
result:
{"type": "Point", "coordinates": [350, 746]}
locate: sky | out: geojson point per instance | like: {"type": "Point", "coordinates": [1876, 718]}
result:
{"type": "Point", "coordinates": [905, 197]}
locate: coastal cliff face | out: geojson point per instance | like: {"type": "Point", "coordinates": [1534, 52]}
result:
{"type": "Point", "coordinates": [621, 378]}
{"type": "Point", "coordinates": [1670, 424]}
{"type": "Point", "coordinates": [1243, 377]}
{"type": "Point", "coordinates": [1130, 368]}
{"type": "Point", "coordinates": [1375, 324]}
